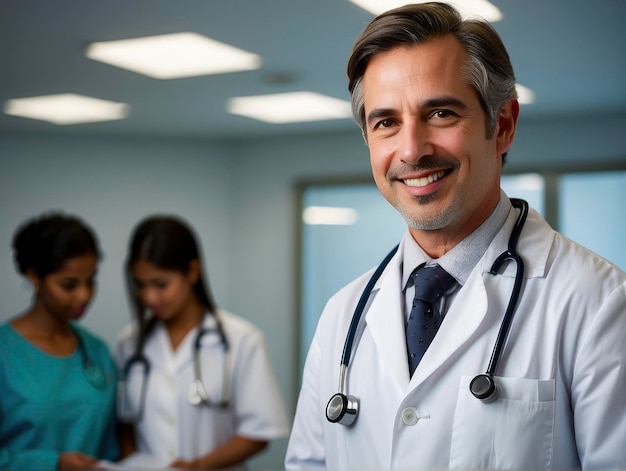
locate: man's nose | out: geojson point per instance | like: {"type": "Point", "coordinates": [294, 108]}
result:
{"type": "Point", "coordinates": [415, 142]}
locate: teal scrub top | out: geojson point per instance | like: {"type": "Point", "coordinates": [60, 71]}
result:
{"type": "Point", "coordinates": [51, 404]}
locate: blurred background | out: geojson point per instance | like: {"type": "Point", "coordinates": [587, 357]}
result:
{"type": "Point", "coordinates": [186, 145]}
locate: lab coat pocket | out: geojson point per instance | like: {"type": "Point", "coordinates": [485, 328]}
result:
{"type": "Point", "coordinates": [514, 431]}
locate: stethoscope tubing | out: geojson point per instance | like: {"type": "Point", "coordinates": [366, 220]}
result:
{"type": "Point", "coordinates": [343, 408]}
{"type": "Point", "coordinates": [93, 373]}
{"type": "Point", "coordinates": [510, 254]}
{"type": "Point", "coordinates": [203, 397]}
{"type": "Point", "coordinates": [138, 358]}
{"type": "Point", "coordinates": [483, 386]}
{"type": "Point", "coordinates": [360, 307]}
{"type": "Point", "coordinates": [354, 323]}
{"type": "Point", "coordinates": [200, 396]}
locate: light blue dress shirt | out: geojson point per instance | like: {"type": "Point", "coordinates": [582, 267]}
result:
{"type": "Point", "coordinates": [460, 260]}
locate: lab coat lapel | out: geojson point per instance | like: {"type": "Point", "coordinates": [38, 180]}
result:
{"type": "Point", "coordinates": [461, 322]}
{"type": "Point", "coordinates": [163, 357]}
{"type": "Point", "coordinates": [184, 355]}
{"type": "Point", "coordinates": [533, 246]}
{"type": "Point", "coordinates": [477, 300]}
{"type": "Point", "coordinates": [185, 352]}
{"type": "Point", "coordinates": [467, 312]}
{"type": "Point", "coordinates": [158, 350]}
{"type": "Point", "coordinates": [385, 323]}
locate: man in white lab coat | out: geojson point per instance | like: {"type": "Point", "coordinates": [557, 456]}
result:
{"type": "Point", "coordinates": [435, 98]}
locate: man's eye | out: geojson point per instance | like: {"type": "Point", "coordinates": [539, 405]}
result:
{"type": "Point", "coordinates": [384, 123]}
{"type": "Point", "coordinates": [69, 286]}
{"type": "Point", "coordinates": [442, 114]}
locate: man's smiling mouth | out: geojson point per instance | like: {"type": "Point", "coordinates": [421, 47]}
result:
{"type": "Point", "coordinates": [423, 181]}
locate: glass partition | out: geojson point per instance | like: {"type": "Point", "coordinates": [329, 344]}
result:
{"type": "Point", "coordinates": [593, 212]}
{"type": "Point", "coordinates": [349, 228]}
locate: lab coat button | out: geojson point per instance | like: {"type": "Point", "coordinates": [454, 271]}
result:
{"type": "Point", "coordinates": [410, 416]}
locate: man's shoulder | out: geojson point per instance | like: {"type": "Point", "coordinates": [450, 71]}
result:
{"type": "Point", "coordinates": [569, 256]}
{"type": "Point", "coordinates": [549, 253]}
{"type": "Point", "coordinates": [577, 278]}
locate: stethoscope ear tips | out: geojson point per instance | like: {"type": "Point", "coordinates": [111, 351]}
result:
{"type": "Point", "coordinates": [342, 409]}
{"type": "Point", "coordinates": [483, 387]}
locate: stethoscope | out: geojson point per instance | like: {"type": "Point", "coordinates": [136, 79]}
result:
{"type": "Point", "coordinates": [197, 394]}
{"type": "Point", "coordinates": [93, 373]}
{"type": "Point", "coordinates": [343, 408]}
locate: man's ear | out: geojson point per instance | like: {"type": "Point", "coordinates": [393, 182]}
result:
{"type": "Point", "coordinates": [507, 123]}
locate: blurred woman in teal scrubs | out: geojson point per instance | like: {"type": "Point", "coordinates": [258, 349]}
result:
{"type": "Point", "coordinates": [57, 380]}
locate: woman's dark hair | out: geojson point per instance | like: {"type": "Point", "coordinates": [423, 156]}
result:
{"type": "Point", "coordinates": [45, 243]}
{"type": "Point", "coordinates": [169, 243]}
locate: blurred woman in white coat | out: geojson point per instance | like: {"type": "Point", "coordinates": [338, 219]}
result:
{"type": "Point", "coordinates": [196, 387]}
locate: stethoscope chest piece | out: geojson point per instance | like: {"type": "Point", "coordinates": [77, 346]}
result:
{"type": "Point", "coordinates": [197, 394]}
{"type": "Point", "coordinates": [483, 387]}
{"type": "Point", "coordinates": [342, 409]}
{"type": "Point", "coordinates": [95, 376]}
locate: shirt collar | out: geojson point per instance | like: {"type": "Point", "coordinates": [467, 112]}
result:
{"type": "Point", "coordinates": [463, 257]}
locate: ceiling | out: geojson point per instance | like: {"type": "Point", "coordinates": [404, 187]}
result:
{"type": "Point", "coordinates": [572, 53]}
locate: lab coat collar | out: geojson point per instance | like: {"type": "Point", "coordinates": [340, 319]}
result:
{"type": "Point", "coordinates": [211, 337]}
{"type": "Point", "coordinates": [385, 319]}
{"type": "Point", "coordinates": [159, 349]}
{"type": "Point", "coordinates": [459, 326]}
{"type": "Point", "coordinates": [462, 323]}
{"type": "Point", "coordinates": [533, 246]}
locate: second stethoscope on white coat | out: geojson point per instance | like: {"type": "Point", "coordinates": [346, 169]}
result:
{"type": "Point", "coordinates": [197, 394]}
{"type": "Point", "coordinates": [343, 408]}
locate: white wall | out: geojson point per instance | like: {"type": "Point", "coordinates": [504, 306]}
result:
{"type": "Point", "coordinates": [241, 199]}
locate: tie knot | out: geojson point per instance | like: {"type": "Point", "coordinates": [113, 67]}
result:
{"type": "Point", "coordinates": [431, 283]}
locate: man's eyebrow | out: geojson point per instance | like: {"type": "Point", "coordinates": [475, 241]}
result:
{"type": "Point", "coordinates": [443, 101]}
{"type": "Point", "coordinates": [437, 102]}
{"type": "Point", "coordinates": [379, 113]}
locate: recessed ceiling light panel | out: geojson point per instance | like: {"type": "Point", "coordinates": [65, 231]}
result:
{"type": "Point", "coordinates": [66, 108]}
{"type": "Point", "coordinates": [328, 215]}
{"type": "Point", "coordinates": [525, 95]}
{"type": "Point", "coordinates": [290, 107]}
{"type": "Point", "coordinates": [171, 56]}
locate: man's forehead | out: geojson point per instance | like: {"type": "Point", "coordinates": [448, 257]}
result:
{"type": "Point", "coordinates": [429, 69]}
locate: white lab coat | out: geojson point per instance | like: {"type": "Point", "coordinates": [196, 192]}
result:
{"type": "Point", "coordinates": [171, 427]}
{"type": "Point", "coordinates": [562, 371]}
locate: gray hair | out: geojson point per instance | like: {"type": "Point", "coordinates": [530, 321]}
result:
{"type": "Point", "coordinates": [488, 69]}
